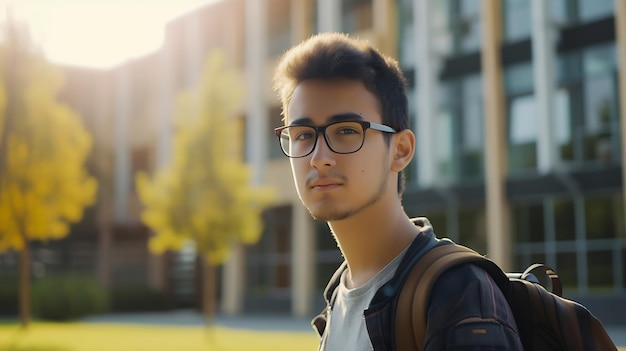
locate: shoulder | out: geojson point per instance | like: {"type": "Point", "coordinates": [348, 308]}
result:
{"type": "Point", "coordinates": [465, 299]}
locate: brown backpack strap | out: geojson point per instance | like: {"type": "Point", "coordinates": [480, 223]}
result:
{"type": "Point", "coordinates": [410, 319]}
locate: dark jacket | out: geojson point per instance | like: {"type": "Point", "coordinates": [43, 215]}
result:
{"type": "Point", "coordinates": [463, 297]}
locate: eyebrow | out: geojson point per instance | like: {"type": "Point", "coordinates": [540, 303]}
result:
{"type": "Point", "coordinates": [340, 117]}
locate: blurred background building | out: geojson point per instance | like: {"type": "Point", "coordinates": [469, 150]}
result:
{"type": "Point", "coordinates": [519, 149]}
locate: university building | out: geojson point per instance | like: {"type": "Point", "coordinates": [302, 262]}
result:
{"type": "Point", "coordinates": [516, 109]}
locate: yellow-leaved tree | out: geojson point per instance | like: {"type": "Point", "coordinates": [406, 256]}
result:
{"type": "Point", "coordinates": [205, 195]}
{"type": "Point", "coordinates": [44, 186]}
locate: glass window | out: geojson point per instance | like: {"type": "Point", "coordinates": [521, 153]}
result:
{"type": "Point", "coordinates": [589, 81]}
{"type": "Point", "coordinates": [465, 22]}
{"type": "Point", "coordinates": [443, 124]}
{"type": "Point", "coordinates": [439, 223]}
{"type": "Point", "coordinates": [566, 268]}
{"type": "Point", "coordinates": [517, 19]}
{"type": "Point", "coordinates": [472, 128]}
{"type": "Point", "coordinates": [472, 229]}
{"type": "Point", "coordinates": [407, 33]}
{"type": "Point", "coordinates": [600, 112]}
{"type": "Point", "coordinates": [624, 266]}
{"type": "Point", "coordinates": [275, 120]}
{"type": "Point", "coordinates": [325, 239]}
{"type": "Point", "coordinates": [441, 25]}
{"type": "Point", "coordinates": [443, 145]}
{"type": "Point", "coordinates": [518, 79]}
{"type": "Point", "coordinates": [563, 124]}
{"type": "Point", "coordinates": [528, 223]}
{"type": "Point", "coordinates": [538, 258]}
{"type": "Point", "coordinates": [569, 68]}
{"type": "Point", "coordinates": [590, 10]}
{"type": "Point", "coordinates": [604, 217]}
{"type": "Point", "coordinates": [600, 268]}
{"type": "Point", "coordinates": [600, 60]}
{"type": "Point", "coordinates": [523, 127]}
{"type": "Point", "coordinates": [564, 220]}
{"type": "Point", "coordinates": [522, 133]}
{"type": "Point", "coordinates": [279, 27]}
{"type": "Point", "coordinates": [328, 256]}
{"type": "Point", "coordinates": [460, 128]}
{"type": "Point", "coordinates": [561, 12]}
{"type": "Point", "coordinates": [269, 260]}
{"type": "Point", "coordinates": [356, 15]}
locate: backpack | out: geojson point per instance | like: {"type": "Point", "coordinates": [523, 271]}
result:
{"type": "Point", "coordinates": [545, 320]}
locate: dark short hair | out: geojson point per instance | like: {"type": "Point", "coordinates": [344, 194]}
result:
{"type": "Point", "coordinates": [331, 56]}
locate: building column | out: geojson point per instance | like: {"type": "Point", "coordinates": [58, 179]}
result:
{"type": "Point", "coordinates": [256, 140]}
{"type": "Point", "coordinates": [302, 230]}
{"type": "Point", "coordinates": [303, 261]}
{"type": "Point", "coordinates": [425, 95]}
{"type": "Point", "coordinates": [543, 64]}
{"type": "Point", "coordinates": [328, 16]}
{"type": "Point", "coordinates": [301, 26]}
{"type": "Point", "coordinates": [122, 180]}
{"type": "Point", "coordinates": [498, 229]}
{"type": "Point", "coordinates": [384, 15]}
{"type": "Point", "coordinates": [194, 57]}
{"type": "Point", "coordinates": [620, 31]}
{"type": "Point", "coordinates": [158, 275]}
{"type": "Point", "coordinates": [233, 282]}
{"type": "Point", "coordinates": [105, 206]}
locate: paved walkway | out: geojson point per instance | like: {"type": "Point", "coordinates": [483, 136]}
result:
{"type": "Point", "coordinates": [193, 318]}
{"type": "Point", "coordinates": [254, 322]}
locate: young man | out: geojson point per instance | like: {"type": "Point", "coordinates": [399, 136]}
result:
{"type": "Point", "coordinates": [347, 135]}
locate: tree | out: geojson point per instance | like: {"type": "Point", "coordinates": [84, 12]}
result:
{"type": "Point", "coordinates": [205, 195]}
{"type": "Point", "coordinates": [44, 186]}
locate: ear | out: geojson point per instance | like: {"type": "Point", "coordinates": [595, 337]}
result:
{"type": "Point", "coordinates": [403, 148]}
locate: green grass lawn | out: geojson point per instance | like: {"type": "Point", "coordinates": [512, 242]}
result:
{"type": "Point", "coordinates": [42, 336]}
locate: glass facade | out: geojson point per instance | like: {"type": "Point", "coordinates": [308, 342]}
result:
{"type": "Point", "coordinates": [580, 233]}
{"type": "Point", "coordinates": [516, 20]}
{"type": "Point", "coordinates": [578, 230]}
{"type": "Point", "coordinates": [600, 122]}
{"type": "Point", "coordinates": [571, 12]}
{"type": "Point", "coordinates": [356, 15]}
{"type": "Point", "coordinates": [459, 126]}
{"type": "Point", "coordinates": [522, 118]}
{"type": "Point", "coordinates": [587, 106]}
{"type": "Point", "coordinates": [275, 119]}
{"type": "Point", "coordinates": [465, 25]}
{"type": "Point", "coordinates": [583, 238]}
{"type": "Point", "coordinates": [279, 27]}
{"type": "Point", "coordinates": [268, 263]}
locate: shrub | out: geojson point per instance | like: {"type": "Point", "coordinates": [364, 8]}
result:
{"type": "Point", "coordinates": [138, 298]}
{"type": "Point", "coordinates": [68, 296]}
{"type": "Point", "coordinates": [8, 296]}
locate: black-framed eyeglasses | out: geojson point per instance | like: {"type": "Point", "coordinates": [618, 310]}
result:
{"type": "Point", "coordinates": [343, 137]}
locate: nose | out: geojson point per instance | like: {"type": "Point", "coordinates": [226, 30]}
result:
{"type": "Point", "coordinates": [322, 155]}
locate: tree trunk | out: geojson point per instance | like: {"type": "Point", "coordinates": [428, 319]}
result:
{"type": "Point", "coordinates": [104, 217]}
{"type": "Point", "coordinates": [209, 290]}
{"type": "Point", "coordinates": [25, 307]}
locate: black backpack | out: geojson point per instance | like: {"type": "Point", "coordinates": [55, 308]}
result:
{"type": "Point", "coordinates": [545, 320]}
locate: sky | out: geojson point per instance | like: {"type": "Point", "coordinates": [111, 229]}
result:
{"type": "Point", "coordinates": [98, 33]}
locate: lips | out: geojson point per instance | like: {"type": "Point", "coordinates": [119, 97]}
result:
{"type": "Point", "coordinates": [324, 184]}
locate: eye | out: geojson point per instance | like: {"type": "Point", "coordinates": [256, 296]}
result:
{"type": "Point", "coordinates": [348, 130]}
{"type": "Point", "coordinates": [303, 135]}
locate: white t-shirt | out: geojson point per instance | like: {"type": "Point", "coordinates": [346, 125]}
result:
{"type": "Point", "coordinates": [346, 327]}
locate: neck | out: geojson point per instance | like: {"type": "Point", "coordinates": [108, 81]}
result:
{"type": "Point", "coordinates": [372, 238]}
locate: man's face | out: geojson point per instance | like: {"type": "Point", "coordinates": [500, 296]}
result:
{"type": "Point", "coordinates": [336, 186]}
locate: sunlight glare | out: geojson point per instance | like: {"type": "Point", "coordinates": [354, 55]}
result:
{"type": "Point", "coordinates": [99, 34]}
